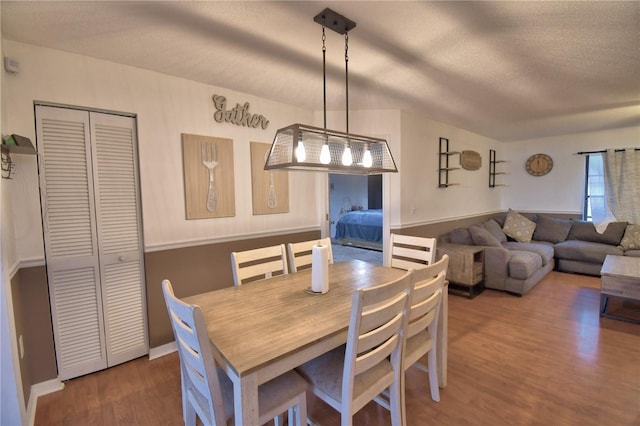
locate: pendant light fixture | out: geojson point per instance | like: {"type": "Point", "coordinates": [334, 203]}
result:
{"type": "Point", "coordinates": [302, 147]}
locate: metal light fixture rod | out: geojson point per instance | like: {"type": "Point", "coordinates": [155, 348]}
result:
{"type": "Point", "coordinates": [324, 75]}
{"type": "Point", "coordinates": [346, 75]}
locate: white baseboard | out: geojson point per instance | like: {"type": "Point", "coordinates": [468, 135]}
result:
{"type": "Point", "coordinates": [163, 350]}
{"type": "Point", "coordinates": [38, 390]}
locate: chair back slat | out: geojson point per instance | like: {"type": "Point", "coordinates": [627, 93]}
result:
{"type": "Point", "coordinates": [424, 321]}
{"type": "Point", "coordinates": [260, 270]}
{"type": "Point", "coordinates": [410, 252]}
{"type": "Point", "coordinates": [380, 314]}
{"type": "Point", "coordinates": [260, 263]}
{"type": "Point", "coordinates": [300, 253]}
{"type": "Point", "coordinates": [370, 359]}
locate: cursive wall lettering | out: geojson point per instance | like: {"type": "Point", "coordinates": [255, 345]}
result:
{"type": "Point", "coordinates": [240, 115]}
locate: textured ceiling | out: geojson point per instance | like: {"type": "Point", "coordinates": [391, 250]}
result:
{"type": "Point", "coordinates": [506, 70]}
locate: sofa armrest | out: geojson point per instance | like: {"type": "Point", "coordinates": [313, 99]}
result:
{"type": "Point", "coordinates": [496, 267]}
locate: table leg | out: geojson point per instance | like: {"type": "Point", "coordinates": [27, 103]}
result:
{"type": "Point", "coordinates": [245, 400]}
{"type": "Point", "coordinates": [604, 300]}
{"type": "Point", "coordinates": [442, 337]}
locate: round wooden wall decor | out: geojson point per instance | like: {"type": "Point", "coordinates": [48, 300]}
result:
{"type": "Point", "coordinates": [539, 164]}
{"type": "Point", "coordinates": [470, 160]}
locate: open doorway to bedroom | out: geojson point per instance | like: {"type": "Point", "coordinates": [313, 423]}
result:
{"type": "Point", "coordinates": [355, 217]}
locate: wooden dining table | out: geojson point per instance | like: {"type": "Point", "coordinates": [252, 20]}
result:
{"type": "Point", "coordinates": [263, 329]}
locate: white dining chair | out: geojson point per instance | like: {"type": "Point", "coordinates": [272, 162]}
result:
{"type": "Point", "coordinates": [300, 255]}
{"type": "Point", "coordinates": [410, 252]}
{"type": "Point", "coordinates": [422, 326]}
{"type": "Point", "coordinates": [257, 264]}
{"type": "Point", "coordinates": [350, 376]}
{"type": "Point", "coordinates": [207, 392]}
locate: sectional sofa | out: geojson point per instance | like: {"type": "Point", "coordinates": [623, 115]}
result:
{"type": "Point", "coordinates": [521, 249]}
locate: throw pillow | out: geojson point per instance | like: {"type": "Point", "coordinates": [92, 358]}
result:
{"type": "Point", "coordinates": [461, 236]}
{"type": "Point", "coordinates": [495, 230]}
{"type": "Point", "coordinates": [631, 239]}
{"type": "Point", "coordinates": [551, 229]}
{"type": "Point", "coordinates": [518, 227]}
{"type": "Point", "coordinates": [482, 237]}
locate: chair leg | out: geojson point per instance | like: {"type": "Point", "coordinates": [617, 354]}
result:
{"type": "Point", "coordinates": [433, 374]}
{"type": "Point", "coordinates": [396, 402]}
{"type": "Point", "coordinates": [279, 419]}
{"type": "Point", "coordinates": [301, 411]}
{"type": "Point", "coordinates": [184, 395]}
{"type": "Point", "coordinates": [189, 415]}
{"type": "Point", "coordinates": [403, 408]}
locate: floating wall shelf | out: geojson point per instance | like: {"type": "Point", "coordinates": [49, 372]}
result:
{"type": "Point", "coordinates": [443, 164]}
{"type": "Point", "coordinates": [492, 169]}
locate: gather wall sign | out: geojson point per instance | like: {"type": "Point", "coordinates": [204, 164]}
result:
{"type": "Point", "coordinates": [238, 115]}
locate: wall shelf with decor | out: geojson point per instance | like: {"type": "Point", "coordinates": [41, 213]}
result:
{"type": "Point", "coordinates": [492, 169]}
{"type": "Point", "coordinates": [444, 166]}
{"type": "Point", "coordinates": [14, 144]}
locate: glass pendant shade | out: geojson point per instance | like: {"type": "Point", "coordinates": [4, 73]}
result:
{"type": "Point", "coordinates": [324, 151]}
{"type": "Point", "coordinates": [301, 153]}
{"type": "Point", "coordinates": [347, 158]}
{"type": "Point", "coordinates": [325, 154]}
{"type": "Point", "coordinates": [367, 160]}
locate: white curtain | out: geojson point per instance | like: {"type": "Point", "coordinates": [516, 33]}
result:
{"type": "Point", "coordinates": [600, 214]}
{"type": "Point", "coordinates": [622, 186]}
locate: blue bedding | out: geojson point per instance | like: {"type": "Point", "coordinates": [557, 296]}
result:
{"type": "Point", "coordinates": [362, 225]}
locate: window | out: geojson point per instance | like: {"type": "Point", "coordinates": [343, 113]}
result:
{"type": "Point", "coordinates": [594, 200]}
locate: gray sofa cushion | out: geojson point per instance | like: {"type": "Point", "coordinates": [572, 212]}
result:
{"type": "Point", "coordinates": [495, 230]}
{"type": "Point", "coordinates": [544, 250]}
{"type": "Point", "coordinates": [482, 237]}
{"type": "Point", "coordinates": [585, 251]}
{"type": "Point", "coordinates": [632, 253]}
{"type": "Point", "coordinates": [551, 229]}
{"type": "Point", "coordinates": [585, 231]}
{"type": "Point", "coordinates": [461, 236]}
{"type": "Point", "coordinates": [523, 264]}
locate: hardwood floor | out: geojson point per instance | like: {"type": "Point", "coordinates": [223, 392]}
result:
{"type": "Point", "coordinates": [546, 358]}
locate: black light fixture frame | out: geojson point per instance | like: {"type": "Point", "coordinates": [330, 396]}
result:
{"type": "Point", "coordinates": [282, 154]}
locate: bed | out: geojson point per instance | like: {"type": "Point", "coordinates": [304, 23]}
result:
{"type": "Point", "coordinates": [361, 228]}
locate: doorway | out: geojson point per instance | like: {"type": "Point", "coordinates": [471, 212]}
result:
{"type": "Point", "coordinates": [355, 217]}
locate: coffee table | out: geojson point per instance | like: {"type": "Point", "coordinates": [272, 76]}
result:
{"type": "Point", "coordinates": [620, 278]}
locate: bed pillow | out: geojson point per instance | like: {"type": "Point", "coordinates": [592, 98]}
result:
{"type": "Point", "coordinates": [551, 229]}
{"type": "Point", "coordinates": [631, 239]}
{"type": "Point", "coordinates": [518, 227]}
{"type": "Point", "coordinates": [496, 230]}
{"type": "Point", "coordinates": [461, 236]}
{"type": "Point", "coordinates": [482, 237]}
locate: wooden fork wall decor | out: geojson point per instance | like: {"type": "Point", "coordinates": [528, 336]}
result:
{"type": "Point", "coordinates": [208, 176]}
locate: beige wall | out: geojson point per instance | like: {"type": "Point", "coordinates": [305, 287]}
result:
{"type": "Point", "coordinates": [165, 107]}
{"type": "Point", "coordinates": [12, 406]}
{"type": "Point", "coordinates": [422, 201]}
{"type": "Point", "coordinates": [33, 322]}
{"type": "Point", "coordinates": [561, 190]}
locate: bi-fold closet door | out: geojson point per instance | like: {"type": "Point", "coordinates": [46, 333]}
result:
{"type": "Point", "coordinates": [92, 225]}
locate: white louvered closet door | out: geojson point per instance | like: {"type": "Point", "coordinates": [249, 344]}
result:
{"type": "Point", "coordinates": [93, 238]}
